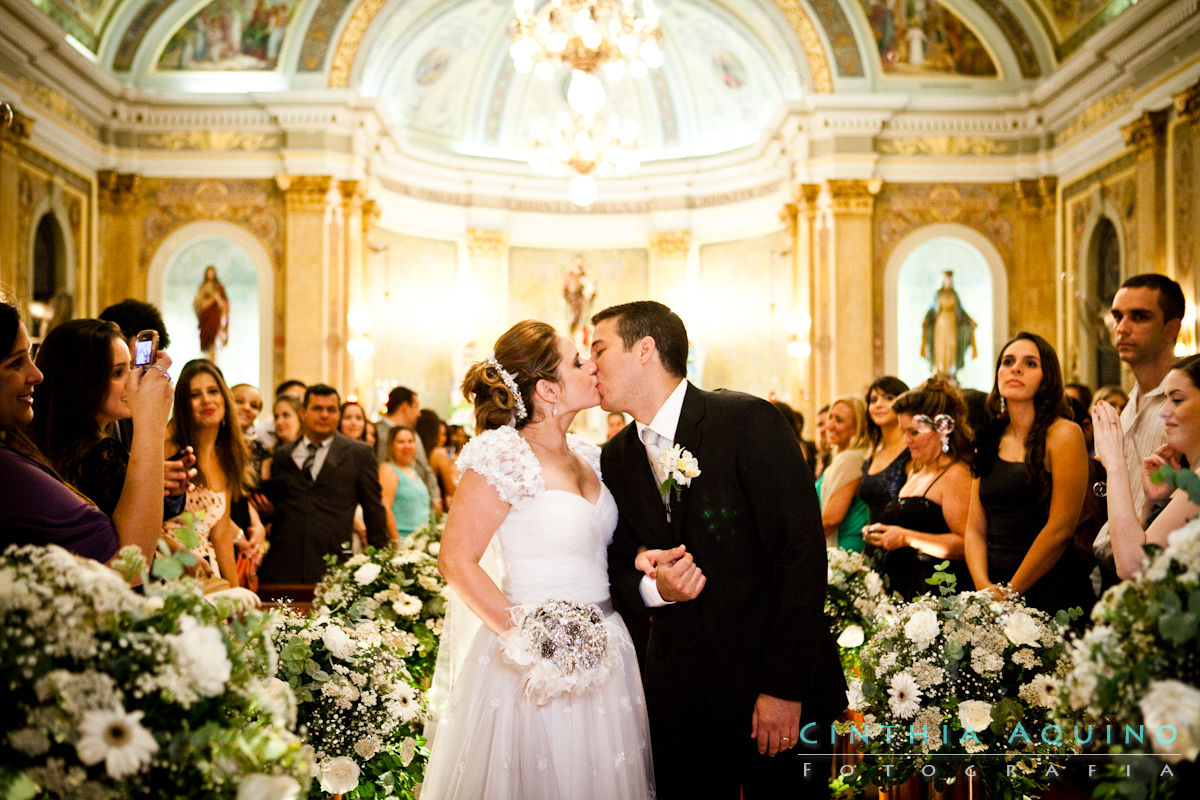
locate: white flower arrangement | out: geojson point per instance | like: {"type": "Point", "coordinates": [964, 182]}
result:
{"type": "Point", "coordinates": [107, 688]}
{"type": "Point", "coordinates": [942, 681]}
{"type": "Point", "coordinates": [398, 588]}
{"type": "Point", "coordinates": [356, 701]}
{"type": "Point", "coordinates": [1137, 666]}
{"type": "Point", "coordinates": [855, 602]}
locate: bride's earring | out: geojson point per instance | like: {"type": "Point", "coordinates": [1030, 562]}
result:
{"type": "Point", "coordinates": [554, 409]}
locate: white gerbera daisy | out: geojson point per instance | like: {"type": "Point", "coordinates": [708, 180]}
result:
{"type": "Point", "coordinates": [904, 696]}
{"type": "Point", "coordinates": [406, 605]}
{"type": "Point", "coordinates": [118, 739]}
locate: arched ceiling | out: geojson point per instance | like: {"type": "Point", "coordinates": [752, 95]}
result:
{"type": "Point", "coordinates": [443, 79]}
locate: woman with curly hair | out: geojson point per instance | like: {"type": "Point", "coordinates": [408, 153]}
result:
{"type": "Point", "coordinates": [1031, 475]}
{"type": "Point", "coordinates": [924, 524]}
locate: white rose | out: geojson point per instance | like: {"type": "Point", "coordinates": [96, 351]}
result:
{"type": "Point", "coordinates": [339, 775]}
{"type": "Point", "coordinates": [922, 628]}
{"type": "Point", "coordinates": [367, 573]}
{"type": "Point", "coordinates": [854, 695]}
{"type": "Point", "coordinates": [268, 787]}
{"type": "Point", "coordinates": [1021, 629]}
{"type": "Point", "coordinates": [975, 714]}
{"type": "Point", "coordinates": [338, 643]}
{"type": "Point", "coordinates": [1175, 704]}
{"type": "Point", "coordinates": [201, 655]}
{"type": "Point", "coordinates": [874, 582]}
{"type": "Point", "coordinates": [851, 637]}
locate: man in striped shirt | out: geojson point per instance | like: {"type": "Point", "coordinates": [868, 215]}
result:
{"type": "Point", "coordinates": [1147, 313]}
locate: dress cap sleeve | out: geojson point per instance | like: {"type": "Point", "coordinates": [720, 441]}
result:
{"type": "Point", "coordinates": [506, 462]}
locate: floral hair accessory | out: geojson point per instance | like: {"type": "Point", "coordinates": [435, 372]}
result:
{"type": "Point", "coordinates": [942, 423]}
{"type": "Point", "coordinates": [518, 404]}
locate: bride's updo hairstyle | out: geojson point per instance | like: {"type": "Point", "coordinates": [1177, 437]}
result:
{"type": "Point", "coordinates": [528, 353]}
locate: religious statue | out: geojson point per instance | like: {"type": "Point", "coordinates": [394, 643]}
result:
{"type": "Point", "coordinates": [579, 290]}
{"type": "Point", "coordinates": [947, 331]}
{"type": "Point", "coordinates": [211, 305]}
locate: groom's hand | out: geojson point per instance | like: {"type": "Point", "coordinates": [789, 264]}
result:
{"type": "Point", "coordinates": [678, 578]}
{"type": "Point", "coordinates": [775, 724]}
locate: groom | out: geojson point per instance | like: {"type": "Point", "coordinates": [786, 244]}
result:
{"type": "Point", "coordinates": [740, 657]}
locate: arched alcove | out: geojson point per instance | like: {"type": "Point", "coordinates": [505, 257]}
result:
{"type": "Point", "coordinates": [911, 280]}
{"type": "Point", "coordinates": [245, 270]}
{"type": "Point", "coordinates": [49, 259]}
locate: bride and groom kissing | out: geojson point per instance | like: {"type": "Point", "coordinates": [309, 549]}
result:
{"type": "Point", "coordinates": [729, 569]}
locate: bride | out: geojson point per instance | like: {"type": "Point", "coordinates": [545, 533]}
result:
{"type": "Point", "coordinates": [534, 718]}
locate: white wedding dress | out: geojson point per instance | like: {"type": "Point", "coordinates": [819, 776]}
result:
{"type": "Point", "coordinates": [489, 741]}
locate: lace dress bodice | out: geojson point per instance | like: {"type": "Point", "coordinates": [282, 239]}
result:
{"type": "Point", "coordinates": [553, 542]}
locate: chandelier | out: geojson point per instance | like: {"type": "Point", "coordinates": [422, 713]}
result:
{"type": "Point", "coordinates": [587, 145]}
{"type": "Point", "coordinates": [586, 35]}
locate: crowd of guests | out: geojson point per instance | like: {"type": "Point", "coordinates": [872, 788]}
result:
{"type": "Point", "coordinates": [1037, 488]}
{"type": "Point", "coordinates": [99, 454]}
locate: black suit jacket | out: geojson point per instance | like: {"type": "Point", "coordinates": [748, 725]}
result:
{"type": "Point", "coordinates": [752, 522]}
{"type": "Point", "coordinates": [317, 517]}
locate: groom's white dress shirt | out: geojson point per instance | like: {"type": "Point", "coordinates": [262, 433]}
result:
{"type": "Point", "coordinates": [665, 423]}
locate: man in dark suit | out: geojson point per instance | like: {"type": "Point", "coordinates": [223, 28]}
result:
{"type": "Point", "coordinates": [326, 475]}
{"type": "Point", "coordinates": [740, 658]}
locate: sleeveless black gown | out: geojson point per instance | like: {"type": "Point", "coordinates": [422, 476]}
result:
{"type": "Point", "coordinates": [907, 569]}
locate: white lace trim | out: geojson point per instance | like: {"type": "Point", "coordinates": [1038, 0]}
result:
{"type": "Point", "coordinates": [506, 461]}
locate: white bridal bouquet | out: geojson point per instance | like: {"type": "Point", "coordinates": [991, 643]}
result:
{"type": "Point", "coordinates": [1138, 666]}
{"type": "Point", "coordinates": [957, 675]}
{"type": "Point", "coordinates": [112, 694]}
{"type": "Point", "coordinates": [358, 705]}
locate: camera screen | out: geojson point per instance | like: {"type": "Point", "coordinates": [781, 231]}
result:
{"type": "Point", "coordinates": [145, 352]}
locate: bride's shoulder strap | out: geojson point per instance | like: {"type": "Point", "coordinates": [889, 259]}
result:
{"type": "Point", "coordinates": [589, 452]}
{"type": "Point", "coordinates": [505, 461]}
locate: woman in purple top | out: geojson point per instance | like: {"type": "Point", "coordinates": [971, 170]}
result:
{"type": "Point", "coordinates": [36, 507]}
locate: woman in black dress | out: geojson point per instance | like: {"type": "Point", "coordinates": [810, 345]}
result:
{"type": "Point", "coordinates": [924, 525]}
{"type": "Point", "coordinates": [886, 468]}
{"type": "Point", "coordinates": [1031, 475]}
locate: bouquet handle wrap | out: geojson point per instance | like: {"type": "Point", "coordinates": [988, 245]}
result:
{"type": "Point", "coordinates": [560, 647]}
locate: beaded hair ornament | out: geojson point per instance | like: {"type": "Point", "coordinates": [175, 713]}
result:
{"type": "Point", "coordinates": [519, 411]}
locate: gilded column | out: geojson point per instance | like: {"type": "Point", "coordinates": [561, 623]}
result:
{"type": "Point", "coordinates": [1183, 223]}
{"type": "Point", "coordinates": [1033, 299]}
{"type": "Point", "coordinates": [119, 231]}
{"type": "Point", "coordinates": [354, 215]}
{"type": "Point", "coordinates": [487, 280]}
{"type": "Point", "coordinates": [1147, 135]}
{"type": "Point", "coordinates": [13, 276]}
{"type": "Point", "coordinates": [811, 394]}
{"type": "Point", "coordinates": [846, 264]}
{"type": "Point", "coordinates": [311, 330]}
{"type": "Point", "coordinates": [669, 264]}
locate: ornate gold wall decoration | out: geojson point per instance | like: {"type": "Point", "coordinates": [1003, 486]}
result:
{"type": "Point", "coordinates": [945, 146]}
{"type": "Point", "coordinates": [58, 105]}
{"type": "Point", "coordinates": [348, 42]}
{"type": "Point", "coordinates": [1094, 113]}
{"type": "Point", "coordinates": [305, 192]}
{"type": "Point", "coordinates": [810, 40]}
{"type": "Point", "coordinates": [1187, 103]}
{"type": "Point", "coordinates": [1147, 133]}
{"type": "Point", "coordinates": [213, 141]}
{"type": "Point", "coordinates": [484, 243]}
{"type": "Point", "coordinates": [670, 245]}
{"type": "Point", "coordinates": [853, 197]}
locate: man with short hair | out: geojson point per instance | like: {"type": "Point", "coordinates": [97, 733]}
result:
{"type": "Point", "coordinates": [1147, 314]}
{"type": "Point", "coordinates": [327, 475]}
{"type": "Point", "coordinates": [740, 658]}
{"type": "Point", "coordinates": [403, 408]}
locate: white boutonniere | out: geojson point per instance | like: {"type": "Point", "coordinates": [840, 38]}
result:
{"type": "Point", "coordinates": [679, 466]}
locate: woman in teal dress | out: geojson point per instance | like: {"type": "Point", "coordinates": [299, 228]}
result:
{"type": "Point", "coordinates": [843, 514]}
{"type": "Point", "coordinates": [405, 496]}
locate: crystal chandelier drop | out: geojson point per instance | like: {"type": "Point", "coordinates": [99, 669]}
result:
{"type": "Point", "coordinates": [589, 146]}
{"type": "Point", "coordinates": [586, 36]}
